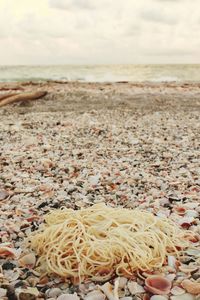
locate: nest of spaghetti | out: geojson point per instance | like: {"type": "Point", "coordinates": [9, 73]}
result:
{"type": "Point", "coordinates": [100, 242]}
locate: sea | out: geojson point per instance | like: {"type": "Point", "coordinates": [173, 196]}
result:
{"type": "Point", "coordinates": [102, 73]}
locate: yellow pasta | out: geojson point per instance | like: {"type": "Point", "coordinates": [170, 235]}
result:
{"type": "Point", "coordinates": [100, 242]}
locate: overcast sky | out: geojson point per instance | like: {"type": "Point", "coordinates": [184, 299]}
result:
{"type": "Point", "coordinates": [99, 31]}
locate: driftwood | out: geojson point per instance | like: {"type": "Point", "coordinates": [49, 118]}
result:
{"type": "Point", "coordinates": [4, 96]}
{"type": "Point", "coordinates": [21, 97]}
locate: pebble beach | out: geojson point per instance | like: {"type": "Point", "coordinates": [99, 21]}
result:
{"type": "Point", "coordinates": [134, 145]}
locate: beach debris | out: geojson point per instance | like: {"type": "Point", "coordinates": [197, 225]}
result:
{"type": "Point", "coordinates": [158, 285]}
{"type": "Point", "coordinates": [110, 292]}
{"type": "Point", "coordinates": [109, 240]}
{"type": "Point", "coordinates": [95, 295]}
{"type": "Point", "coordinates": [135, 288]}
{"type": "Point", "coordinates": [28, 260]}
{"type": "Point", "coordinates": [22, 97]}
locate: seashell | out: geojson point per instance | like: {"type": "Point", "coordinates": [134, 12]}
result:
{"type": "Point", "coordinates": [126, 298]}
{"type": "Point", "coordinates": [109, 292]}
{"type": "Point", "coordinates": [3, 195]}
{"type": "Point", "coordinates": [170, 277]}
{"type": "Point", "coordinates": [180, 210]}
{"type": "Point", "coordinates": [158, 297]}
{"type": "Point", "coordinates": [68, 297]}
{"type": "Point", "coordinates": [158, 285]}
{"type": "Point", "coordinates": [122, 282]}
{"type": "Point", "coordinates": [188, 269]}
{"type": "Point", "coordinates": [28, 260]}
{"type": "Point", "coordinates": [191, 287]}
{"type": "Point", "coordinates": [182, 297]}
{"type": "Point", "coordinates": [7, 251]}
{"type": "Point", "coordinates": [192, 213]}
{"type": "Point", "coordinates": [27, 294]}
{"type": "Point", "coordinates": [12, 275]}
{"type": "Point", "coordinates": [135, 288]}
{"type": "Point", "coordinates": [193, 252]}
{"type": "Point", "coordinates": [3, 293]}
{"type": "Point", "coordinates": [176, 290]}
{"type": "Point", "coordinates": [186, 222]}
{"type": "Point", "coordinates": [53, 293]}
{"type": "Point", "coordinates": [172, 262]}
{"type": "Point", "coordinates": [95, 295]}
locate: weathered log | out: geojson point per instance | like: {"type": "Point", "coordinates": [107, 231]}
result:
{"type": "Point", "coordinates": [4, 96]}
{"type": "Point", "coordinates": [23, 97]}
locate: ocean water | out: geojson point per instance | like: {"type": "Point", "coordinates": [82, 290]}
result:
{"type": "Point", "coordinates": [102, 73]}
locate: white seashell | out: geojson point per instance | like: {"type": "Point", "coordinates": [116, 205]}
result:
{"type": "Point", "coordinates": [12, 275]}
{"type": "Point", "coordinates": [53, 293]}
{"type": "Point", "coordinates": [68, 297]}
{"type": "Point", "coordinates": [108, 291]}
{"type": "Point", "coordinates": [191, 205]}
{"type": "Point", "coordinates": [171, 277]}
{"type": "Point", "coordinates": [95, 295]}
{"type": "Point", "coordinates": [3, 293]}
{"type": "Point", "coordinates": [158, 297]}
{"type": "Point", "coordinates": [192, 213]}
{"type": "Point", "coordinates": [126, 298]}
{"type": "Point", "coordinates": [172, 261]}
{"type": "Point", "coordinates": [28, 260]}
{"type": "Point", "coordinates": [193, 252]}
{"type": "Point", "coordinates": [93, 180]}
{"type": "Point", "coordinates": [135, 288]}
{"type": "Point", "coordinates": [188, 269]}
{"type": "Point", "coordinates": [176, 290]}
{"type": "Point", "coordinates": [183, 297]}
{"type": "Point", "coordinates": [122, 282]}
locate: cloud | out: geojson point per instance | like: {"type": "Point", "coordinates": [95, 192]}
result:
{"type": "Point", "coordinates": [106, 31]}
{"type": "Point", "coordinates": [72, 4]}
{"type": "Point", "coordinates": [159, 17]}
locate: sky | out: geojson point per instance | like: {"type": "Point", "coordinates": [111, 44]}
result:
{"type": "Point", "coordinates": [36, 32]}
